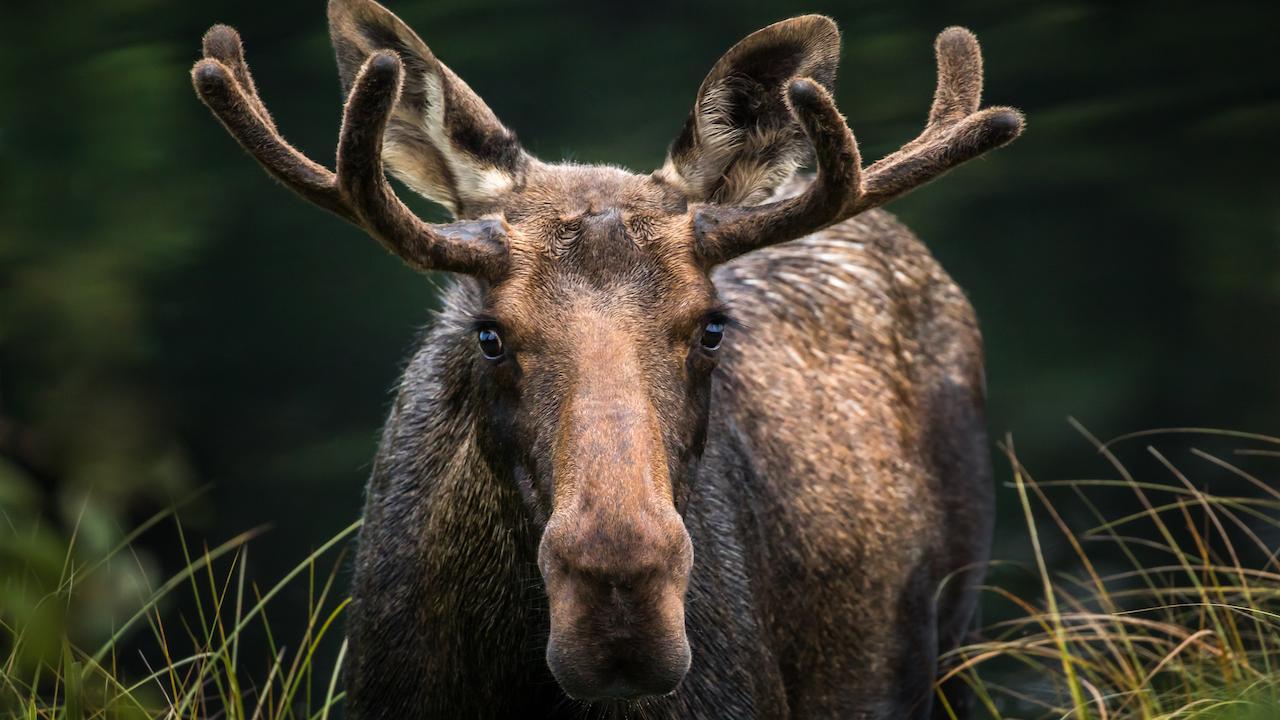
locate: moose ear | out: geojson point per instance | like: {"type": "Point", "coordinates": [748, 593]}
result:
{"type": "Point", "coordinates": [441, 140]}
{"type": "Point", "coordinates": [742, 140]}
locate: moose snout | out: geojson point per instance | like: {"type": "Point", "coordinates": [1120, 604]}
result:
{"type": "Point", "coordinates": [616, 594]}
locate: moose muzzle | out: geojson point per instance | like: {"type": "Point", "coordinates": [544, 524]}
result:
{"type": "Point", "coordinates": [617, 629]}
{"type": "Point", "coordinates": [615, 555]}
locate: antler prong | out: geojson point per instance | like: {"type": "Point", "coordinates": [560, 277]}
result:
{"type": "Point", "coordinates": [955, 132]}
{"type": "Point", "coordinates": [373, 95]}
{"type": "Point", "coordinates": [222, 43]}
{"type": "Point", "coordinates": [934, 153]}
{"type": "Point", "coordinates": [839, 162]}
{"type": "Point", "coordinates": [359, 192]}
{"type": "Point", "coordinates": [217, 87]}
{"type": "Point", "coordinates": [959, 90]}
{"type": "Point", "coordinates": [466, 247]}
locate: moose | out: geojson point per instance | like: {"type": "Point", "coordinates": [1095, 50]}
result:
{"type": "Point", "coordinates": [707, 442]}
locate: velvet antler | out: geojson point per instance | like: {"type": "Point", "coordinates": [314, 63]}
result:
{"type": "Point", "coordinates": [956, 132]}
{"type": "Point", "coordinates": [359, 192]}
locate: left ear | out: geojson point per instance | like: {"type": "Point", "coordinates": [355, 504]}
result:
{"type": "Point", "coordinates": [742, 140]}
{"type": "Point", "coordinates": [441, 140]}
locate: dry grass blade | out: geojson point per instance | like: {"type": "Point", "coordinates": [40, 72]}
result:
{"type": "Point", "coordinates": [1177, 618]}
{"type": "Point", "coordinates": [1188, 635]}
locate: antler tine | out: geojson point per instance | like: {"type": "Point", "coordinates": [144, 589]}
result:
{"type": "Point", "coordinates": [472, 247]}
{"type": "Point", "coordinates": [359, 192]}
{"type": "Point", "coordinates": [725, 232]}
{"type": "Point", "coordinates": [222, 43]}
{"type": "Point", "coordinates": [959, 90]}
{"type": "Point", "coordinates": [956, 132]}
{"type": "Point", "coordinates": [244, 117]}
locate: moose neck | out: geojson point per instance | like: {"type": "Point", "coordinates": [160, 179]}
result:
{"type": "Point", "coordinates": [443, 524]}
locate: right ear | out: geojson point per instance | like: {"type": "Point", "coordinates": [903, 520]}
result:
{"type": "Point", "coordinates": [742, 140]}
{"type": "Point", "coordinates": [442, 140]}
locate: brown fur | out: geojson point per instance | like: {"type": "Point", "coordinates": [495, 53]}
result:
{"type": "Point", "coordinates": [760, 529]}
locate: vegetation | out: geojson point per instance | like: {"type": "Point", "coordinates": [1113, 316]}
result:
{"type": "Point", "coordinates": [192, 664]}
{"type": "Point", "coordinates": [1189, 629]}
{"type": "Point", "coordinates": [169, 319]}
{"type": "Point", "coordinates": [1178, 615]}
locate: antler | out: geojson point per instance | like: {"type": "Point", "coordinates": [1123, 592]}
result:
{"type": "Point", "coordinates": [956, 131]}
{"type": "Point", "coordinates": [359, 192]}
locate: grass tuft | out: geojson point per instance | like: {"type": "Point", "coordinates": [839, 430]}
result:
{"type": "Point", "coordinates": [191, 667]}
{"type": "Point", "coordinates": [1143, 596]}
{"type": "Point", "coordinates": [1162, 602]}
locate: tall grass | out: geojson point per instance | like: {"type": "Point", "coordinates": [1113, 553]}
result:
{"type": "Point", "coordinates": [206, 678]}
{"type": "Point", "coordinates": [1135, 597]}
{"type": "Point", "coordinates": [1167, 610]}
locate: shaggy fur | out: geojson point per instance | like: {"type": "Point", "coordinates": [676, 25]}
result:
{"type": "Point", "coordinates": [613, 505]}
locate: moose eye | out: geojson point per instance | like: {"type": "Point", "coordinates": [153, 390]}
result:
{"type": "Point", "coordinates": [490, 343]}
{"type": "Point", "coordinates": [712, 335]}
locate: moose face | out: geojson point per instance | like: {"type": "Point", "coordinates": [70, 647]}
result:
{"type": "Point", "coordinates": [601, 329]}
{"type": "Point", "coordinates": [596, 352]}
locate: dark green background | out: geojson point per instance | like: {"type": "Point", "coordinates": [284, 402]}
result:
{"type": "Point", "coordinates": [169, 317]}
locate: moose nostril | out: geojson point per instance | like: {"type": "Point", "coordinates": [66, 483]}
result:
{"type": "Point", "coordinates": [623, 579]}
{"type": "Point", "coordinates": [617, 607]}
{"type": "Point", "coordinates": [612, 560]}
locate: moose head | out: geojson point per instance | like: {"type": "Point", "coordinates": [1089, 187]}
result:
{"type": "Point", "coordinates": [601, 331]}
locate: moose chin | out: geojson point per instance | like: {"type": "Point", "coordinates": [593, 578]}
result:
{"type": "Point", "coordinates": [703, 442]}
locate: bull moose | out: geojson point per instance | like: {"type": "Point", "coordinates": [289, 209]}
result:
{"type": "Point", "coordinates": [706, 442]}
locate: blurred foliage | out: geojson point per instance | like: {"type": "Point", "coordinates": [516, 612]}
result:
{"type": "Point", "coordinates": [169, 317]}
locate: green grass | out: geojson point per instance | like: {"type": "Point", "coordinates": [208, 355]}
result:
{"type": "Point", "coordinates": [1170, 610]}
{"type": "Point", "coordinates": [207, 679]}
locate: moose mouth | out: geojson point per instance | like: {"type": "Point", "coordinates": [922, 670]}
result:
{"type": "Point", "coordinates": [621, 670]}
{"type": "Point", "coordinates": [618, 609]}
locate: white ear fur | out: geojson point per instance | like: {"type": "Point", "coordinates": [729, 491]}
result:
{"type": "Point", "coordinates": [736, 164]}
{"type": "Point", "coordinates": [462, 179]}
{"type": "Point", "coordinates": [741, 140]}
{"type": "Point", "coordinates": [442, 140]}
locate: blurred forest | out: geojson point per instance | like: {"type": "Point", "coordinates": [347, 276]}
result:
{"type": "Point", "coordinates": [169, 318]}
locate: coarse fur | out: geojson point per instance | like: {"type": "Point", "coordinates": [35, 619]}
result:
{"type": "Point", "coordinates": [583, 498]}
{"type": "Point", "coordinates": [845, 477]}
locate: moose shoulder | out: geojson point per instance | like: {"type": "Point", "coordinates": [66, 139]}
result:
{"type": "Point", "coordinates": [703, 443]}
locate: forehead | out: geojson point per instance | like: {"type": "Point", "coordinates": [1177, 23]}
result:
{"type": "Point", "coordinates": [571, 190]}
{"type": "Point", "coordinates": [599, 236]}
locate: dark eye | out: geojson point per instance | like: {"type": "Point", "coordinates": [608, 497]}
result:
{"type": "Point", "coordinates": [490, 343]}
{"type": "Point", "coordinates": [712, 335]}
